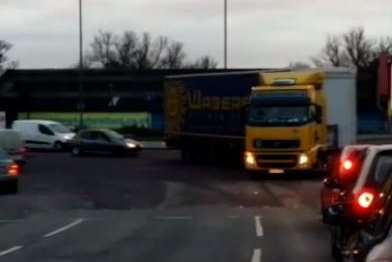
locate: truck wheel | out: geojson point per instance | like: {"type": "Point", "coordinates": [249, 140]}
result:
{"type": "Point", "coordinates": [252, 175]}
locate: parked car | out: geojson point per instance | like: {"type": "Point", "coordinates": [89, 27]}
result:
{"type": "Point", "coordinates": [12, 143]}
{"type": "Point", "coordinates": [43, 134]}
{"type": "Point", "coordinates": [343, 172]}
{"type": "Point", "coordinates": [376, 238]}
{"type": "Point", "coordinates": [382, 251]}
{"type": "Point", "coordinates": [103, 141]}
{"type": "Point", "coordinates": [9, 173]}
{"type": "Point", "coordinates": [359, 209]}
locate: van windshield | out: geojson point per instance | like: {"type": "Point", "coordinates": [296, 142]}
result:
{"type": "Point", "coordinates": [59, 128]}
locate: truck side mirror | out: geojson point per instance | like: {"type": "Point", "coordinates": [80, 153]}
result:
{"type": "Point", "coordinates": [318, 114]}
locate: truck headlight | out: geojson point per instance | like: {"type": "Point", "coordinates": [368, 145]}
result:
{"type": "Point", "coordinates": [303, 159]}
{"type": "Point", "coordinates": [250, 158]}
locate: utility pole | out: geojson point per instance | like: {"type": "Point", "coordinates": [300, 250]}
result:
{"type": "Point", "coordinates": [81, 91]}
{"type": "Point", "coordinates": [225, 34]}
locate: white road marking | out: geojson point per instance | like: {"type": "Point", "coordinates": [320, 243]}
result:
{"type": "Point", "coordinates": [256, 255]}
{"type": "Point", "coordinates": [64, 228]}
{"type": "Point", "coordinates": [174, 217]}
{"type": "Point", "coordinates": [259, 227]}
{"type": "Point", "coordinates": [11, 250]}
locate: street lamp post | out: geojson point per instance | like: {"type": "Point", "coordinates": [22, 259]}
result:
{"type": "Point", "coordinates": [225, 34]}
{"type": "Point", "coordinates": [81, 100]}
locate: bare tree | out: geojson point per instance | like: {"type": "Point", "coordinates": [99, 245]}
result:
{"type": "Point", "coordinates": [126, 49]}
{"type": "Point", "coordinates": [205, 62]}
{"type": "Point", "coordinates": [384, 45]}
{"type": "Point", "coordinates": [358, 48]}
{"type": "Point", "coordinates": [332, 53]}
{"type": "Point", "coordinates": [150, 52]}
{"type": "Point", "coordinates": [4, 60]}
{"type": "Point", "coordinates": [299, 65]}
{"type": "Point", "coordinates": [140, 53]}
{"type": "Point", "coordinates": [353, 49]}
{"type": "Point", "coordinates": [104, 49]}
{"type": "Point", "coordinates": [174, 57]}
{"type": "Point", "coordinates": [157, 52]}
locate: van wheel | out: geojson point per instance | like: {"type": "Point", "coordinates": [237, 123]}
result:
{"type": "Point", "coordinates": [58, 146]}
{"type": "Point", "coordinates": [75, 151]}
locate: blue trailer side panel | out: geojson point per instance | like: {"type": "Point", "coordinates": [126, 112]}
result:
{"type": "Point", "coordinates": [211, 104]}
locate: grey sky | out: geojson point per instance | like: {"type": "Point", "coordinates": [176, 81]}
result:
{"type": "Point", "coordinates": [262, 33]}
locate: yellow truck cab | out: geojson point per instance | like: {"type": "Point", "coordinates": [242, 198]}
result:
{"type": "Point", "coordinates": [295, 118]}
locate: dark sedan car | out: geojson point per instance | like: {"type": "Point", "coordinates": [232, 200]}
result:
{"type": "Point", "coordinates": [362, 212]}
{"type": "Point", "coordinates": [104, 141]}
{"type": "Point", "coordinates": [382, 251]}
{"type": "Point", "coordinates": [9, 173]}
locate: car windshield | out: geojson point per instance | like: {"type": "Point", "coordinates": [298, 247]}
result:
{"type": "Point", "coordinates": [59, 128]}
{"type": "Point", "coordinates": [279, 116]}
{"type": "Point", "coordinates": [383, 168]}
{"type": "Point", "coordinates": [114, 134]}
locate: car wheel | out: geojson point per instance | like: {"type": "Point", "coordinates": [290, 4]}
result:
{"type": "Point", "coordinates": [133, 154]}
{"type": "Point", "coordinates": [118, 153]}
{"type": "Point", "coordinates": [12, 187]}
{"type": "Point", "coordinates": [58, 146]}
{"type": "Point", "coordinates": [75, 151]}
{"type": "Point", "coordinates": [336, 252]}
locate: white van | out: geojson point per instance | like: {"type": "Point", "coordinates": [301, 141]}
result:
{"type": "Point", "coordinates": [43, 134]}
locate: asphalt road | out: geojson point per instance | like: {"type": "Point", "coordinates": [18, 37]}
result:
{"type": "Point", "coordinates": [156, 208]}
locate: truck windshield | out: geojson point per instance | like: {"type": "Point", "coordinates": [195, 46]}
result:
{"type": "Point", "coordinates": [279, 116]}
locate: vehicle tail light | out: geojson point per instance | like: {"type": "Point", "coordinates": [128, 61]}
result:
{"type": "Point", "coordinates": [350, 168]}
{"type": "Point", "coordinates": [347, 164]}
{"type": "Point", "coordinates": [365, 199]}
{"type": "Point", "coordinates": [13, 170]}
{"type": "Point", "coordinates": [350, 165]}
{"type": "Point", "coordinates": [364, 203]}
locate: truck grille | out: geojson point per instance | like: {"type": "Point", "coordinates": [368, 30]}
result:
{"type": "Point", "coordinates": [277, 160]}
{"type": "Point", "coordinates": [281, 144]}
{"type": "Point", "coordinates": [277, 165]}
